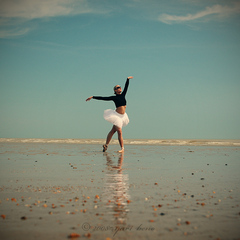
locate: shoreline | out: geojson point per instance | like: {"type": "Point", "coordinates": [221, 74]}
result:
{"type": "Point", "coordinates": [160, 142]}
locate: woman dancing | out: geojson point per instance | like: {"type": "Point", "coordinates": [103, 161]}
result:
{"type": "Point", "coordinates": [118, 117]}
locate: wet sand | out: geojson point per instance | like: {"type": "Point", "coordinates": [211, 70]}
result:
{"type": "Point", "coordinates": [50, 191]}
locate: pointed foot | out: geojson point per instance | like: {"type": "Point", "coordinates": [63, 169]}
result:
{"type": "Point", "coordinates": [121, 151]}
{"type": "Point", "coordinates": [105, 146]}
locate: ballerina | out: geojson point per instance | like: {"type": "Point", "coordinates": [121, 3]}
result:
{"type": "Point", "coordinates": [117, 117]}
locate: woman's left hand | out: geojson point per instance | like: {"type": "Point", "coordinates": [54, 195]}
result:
{"type": "Point", "coordinates": [131, 77]}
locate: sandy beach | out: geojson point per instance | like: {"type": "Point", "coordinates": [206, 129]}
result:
{"type": "Point", "coordinates": [62, 190]}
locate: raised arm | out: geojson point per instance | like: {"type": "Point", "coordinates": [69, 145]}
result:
{"type": "Point", "coordinates": [126, 85]}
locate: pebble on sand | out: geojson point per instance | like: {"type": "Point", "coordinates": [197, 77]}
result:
{"type": "Point", "coordinates": [74, 235]}
{"type": "Point", "coordinates": [88, 235]}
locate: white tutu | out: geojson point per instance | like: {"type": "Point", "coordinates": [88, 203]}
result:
{"type": "Point", "coordinates": [117, 119]}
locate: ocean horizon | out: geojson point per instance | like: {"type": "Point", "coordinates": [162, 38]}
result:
{"type": "Point", "coordinates": [172, 142]}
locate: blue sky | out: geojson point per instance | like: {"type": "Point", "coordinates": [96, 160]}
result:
{"type": "Point", "coordinates": [184, 56]}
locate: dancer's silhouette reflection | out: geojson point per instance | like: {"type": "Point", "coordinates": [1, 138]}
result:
{"type": "Point", "coordinates": [116, 190]}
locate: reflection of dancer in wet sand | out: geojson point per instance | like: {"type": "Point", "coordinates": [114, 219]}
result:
{"type": "Point", "coordinates": [116, 190]}
{"type": "Point", "coordinates": [118, 117]}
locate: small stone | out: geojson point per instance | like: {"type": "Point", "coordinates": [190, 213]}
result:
{"type": "Point", "coordinates": [74, 235]}
{"type": "Point", "coordinates": [88, 235]}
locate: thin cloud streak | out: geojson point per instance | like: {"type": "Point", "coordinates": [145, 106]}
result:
{"type": "Point", "coordinates": [21, 12]}
{"type": "Point", "coordinates": [214, 12]}
{"type": "Point", "coordinates": [30, 9]}
{"type": "Point", "coordinates": [13, 33]}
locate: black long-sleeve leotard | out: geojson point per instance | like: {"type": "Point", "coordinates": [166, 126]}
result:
{"type": "Point", "coordinates": [119, 99]}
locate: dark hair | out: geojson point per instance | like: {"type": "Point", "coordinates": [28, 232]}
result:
{"type": "Point", "coordinates": [114, 88]}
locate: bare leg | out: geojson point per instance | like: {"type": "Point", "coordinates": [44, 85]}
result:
{"type": "Point", "coordinates": [120, 138]}
{"type": "Point", "coordinates": [110, 134]}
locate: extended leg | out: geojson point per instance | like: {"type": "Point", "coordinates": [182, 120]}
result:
{"type": "Point", "coordinates": [110, 134]}
{"type": "Point", "coordinates": [120, 138]}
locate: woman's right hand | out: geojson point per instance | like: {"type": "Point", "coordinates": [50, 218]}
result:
{"type": "Point", "coordinates": [88, 99]}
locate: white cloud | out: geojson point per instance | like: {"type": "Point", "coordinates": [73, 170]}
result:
{"type": "Point", "coordinates": [214, 12]}
{"type": "Point", "coordinates": [30, 9]}
{"type": "Point", "coordinates": [17, 13]}
{"type": "Point", "coordinates": [13, 33]}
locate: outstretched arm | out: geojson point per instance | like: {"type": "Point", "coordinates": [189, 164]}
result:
{"type": "Point", "coordinates": [100, 98]}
